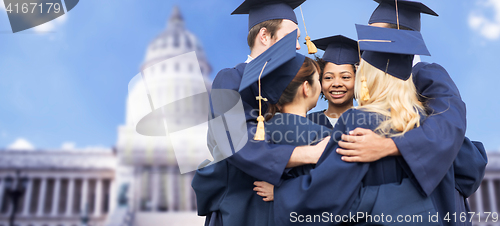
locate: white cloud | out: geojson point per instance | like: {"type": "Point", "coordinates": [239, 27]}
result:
{"type": "Point", "coordinates": [51, 25]}
{"type": "Point", "coordinates": [22, 145]}
{"type": "Point", "coordinates": [68, 146]}
{"type": "Point", "coordinates": [487, 27]}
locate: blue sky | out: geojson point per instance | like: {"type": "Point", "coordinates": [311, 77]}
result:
{"type": "Point", "coordinates": [66, 81]}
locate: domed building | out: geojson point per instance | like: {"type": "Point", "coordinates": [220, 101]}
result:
{"type": "Point", "coordinates": [149, 175]}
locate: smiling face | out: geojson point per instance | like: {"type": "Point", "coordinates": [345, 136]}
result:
{"type": "Point", "coordinates": [338, 84]}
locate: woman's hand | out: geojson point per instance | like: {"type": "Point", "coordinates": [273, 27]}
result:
{"type": "Point", "coordinates": [363, 145]}
{"type": "Point", "coordinates": [265, 190]}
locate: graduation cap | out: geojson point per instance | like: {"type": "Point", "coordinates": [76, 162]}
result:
{"type": "Point", "coordinates": [389, 50]}
{"type": "Point", "coordinates": [263, 10]}
{"type": "Point", "coordinates": [338, 49]}
{"type": "Point", "coordinates": [273, 70]}
{"type": "Point", "coordinates": [400, 12]}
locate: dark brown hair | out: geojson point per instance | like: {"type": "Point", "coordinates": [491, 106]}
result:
{"type": "Point", "coordinates": [306, 73]}
{"type": "Point", "coordinates": [272, 26]}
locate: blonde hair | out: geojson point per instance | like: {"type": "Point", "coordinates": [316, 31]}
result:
{"type": "Point", "coordinates": [391, 97]}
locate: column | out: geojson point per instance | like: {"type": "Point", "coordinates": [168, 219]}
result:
{"type": "Point", "coordinates": [137, 187]}
{"type": "Point", "coordinates": [491, 193]}
{"type": "Point", "coordinates": [55, 196]}
{"type": "Point", "coordinates": [2, 185]}
{"type": "Point", "coordinates": [170, 189]}
{"type": "Point", "coordinates": [10, 207]}
{"type": "Point", "coordinates": [188, 177]}
{"type": "Point", "coordinates": [41, 196]}
{"type": "Point", "coordinates": [27, 197]}
{"type": "Point", "coordinates": [70, 195]}
{"type": "Point", "coordinates": [113, 196]}
{"type": "Point", "coordinates": [85, 188]}
{"type": "Point", "coordinates": [479, 200]}
{"type": "Point", "coordinates": [98, 198]}
{"type": "Point", "coordinates": [155, 188]}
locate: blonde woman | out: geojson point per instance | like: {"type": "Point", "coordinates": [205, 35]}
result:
{"type": "Point", "coordinates": [389, 105]}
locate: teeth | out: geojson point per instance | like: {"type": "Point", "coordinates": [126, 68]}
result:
{"type": "Point", "coordinates": [337, 93]}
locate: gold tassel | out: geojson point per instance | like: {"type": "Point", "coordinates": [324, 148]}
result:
{"type": "Point", "coordinates": [365, 93]}
{"type": "Point", "coordinates": [261, 132]}
{"type": "Point", "coordinates": [311, 48]}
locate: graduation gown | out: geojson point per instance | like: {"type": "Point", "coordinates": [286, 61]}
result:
{"type": "Point", "coordinates": [295, 130]}
{"type": "Point", "coordinates": [336, 187]}
{"type": "Point", "coordinates": [226, 187]}
{"type": "Point", "coordinates": [261, 160]}
{"type": "Point", "coordinates": [443, 130]}
{"type": "Point", "coordinates": [320, 118]}
{"type": "Point", "coordinates": [430, 150]}
{"type": "Point", "coordinates": [469, 165]}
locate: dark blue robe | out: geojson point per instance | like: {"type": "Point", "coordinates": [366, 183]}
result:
{"type": "Point", "coordinates": [337, 187]}
{"type": "Point", "coordinates": [320, 118]}
{"type": "Point", "coordinates": [297, 131]}
{"type": "Point", "coordinates": [226, 187]}
{"type": "Point", "coordinates": [430, 150]}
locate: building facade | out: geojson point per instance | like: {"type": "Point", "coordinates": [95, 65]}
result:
{"type": "Point", "coordinates": [61, 187]}
{"type": "Point", "coordinates": [485, 202]}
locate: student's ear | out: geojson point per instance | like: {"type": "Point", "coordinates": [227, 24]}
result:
{"type": "Point", "coordinates": [264, 37]}
{"type": "Point", "coordinates": [306, 88]}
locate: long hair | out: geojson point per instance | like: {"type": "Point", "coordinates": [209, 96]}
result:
{"type": "Point", "coordinates": [306, 73]}
{"type": "Point", "coordinates": [391, 97]}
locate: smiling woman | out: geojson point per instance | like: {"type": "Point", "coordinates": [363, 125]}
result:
{"type": "Point", "coordinates": [337, 84]}
{"type": "Point", "coordinates": [337, 77]}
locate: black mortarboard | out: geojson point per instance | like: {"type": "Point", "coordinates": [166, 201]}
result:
{"type": "Point", "coordinates": [408, 13]}
{"type": "Point", "coordinates": [338, 49]}
{"type": "Point", "coordinates": [278, 54]}
{"type": "Point", "coordinates": [262, 10]}
{"type": "Point", "coordinates": [390, 50]}
{"type": "Point", "coordinates": [274, 69]}
{"type": "Point", "coordinates": [279, 64]}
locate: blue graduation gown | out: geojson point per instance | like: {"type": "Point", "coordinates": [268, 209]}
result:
{"type": "Point", "coordinates": [295, 130]}
{"type": "Point", "coordinates": [439, 138]}
{"type": "Point", "coordinates": [226, 187]}
{"type": "Point", "coordinates": [320, 118]}
{"type": "Point", "coordinates": [335, 186]}
{"type": "Point", "coordinates": [430, 150]}
{"type": "Point", "coordinates": [469, 165]}
{"type": "Point", "coordinates": [261, 160]}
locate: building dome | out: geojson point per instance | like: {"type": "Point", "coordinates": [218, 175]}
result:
{"type": "Point", "coordinates": [173, 41]}
{"type": "Point", "coordinates": [170, 76]}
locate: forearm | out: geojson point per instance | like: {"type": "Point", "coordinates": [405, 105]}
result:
{"type": "Point", "coordinates": [390, 147]}
{"type": "Point", "coordinates": [300, 156]}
